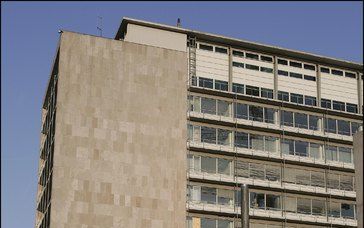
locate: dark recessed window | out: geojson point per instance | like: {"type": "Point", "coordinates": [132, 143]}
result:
{"type": "Point", "coordinates": [221, 50]}
{"type": "Point", "coordinates": [350, 75]}
{"type": "Point", "coordinates": [296, 98]}
{"type": "Point", "coordinates": [337, 72]}
{"type": "Point", "coordinates": [251, 67]}
{"type": "Point", "coordinates": [325, 103]}
{"type": "Point", "coordinates": [251, 56]}
{"type": "Point", "coordinates": [282, 72]}
{"type": "Point", "coordinates": [310, 78]}
{"type": "Point", "coordinates": [310, 100]}
{"type": "Point", "coordinates": [295, 64]}
{"type": "Point", "coordinates": [282, 62]}
{"type": "Point", "coordinates": [237, 64]}
{"type": "Point", "coordinates": [221, 85]}
{"type": "Point", "coordinates": [295, 75]}
{"type": "Point", "coordinates": [266, 58]}
{"type": "Point", "coordinates": [268, 93]}
{"type": "Point", "coordinates": [266, 69]}
{"type": "Point", "coordinates": [238, 88]}
{"type": "Point", "coordinates": [194, 80]}
{"type": "Point", "coordinates": [325, 70]}
{"type": "Point", "coordinates": [283, 96]}
{"type": "Point", "coordinates": [205, 83]}
{"type": "Point", "coordinates": [252, 90]}
{"type": "Point", "coordinates": [238, 53]}
{"type": "Point", "coordinates": [337, 105]}
{"type": "Point", "coordinates": [353, 108]}
{"type": "Point", "coordinates": [206, 47]}
{"type": "Point", "coordinates": [309, 67]}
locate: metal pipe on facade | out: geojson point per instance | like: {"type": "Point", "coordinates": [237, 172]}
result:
{"type": "Point", "coordinates": [244, 190]}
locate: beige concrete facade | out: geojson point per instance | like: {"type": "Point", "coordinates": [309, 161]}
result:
{"type": "Point", "coordinates": [358, 159]}
{"type": "Point", "coordinates": [120, 141]}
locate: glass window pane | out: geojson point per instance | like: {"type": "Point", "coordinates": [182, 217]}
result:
{"type": "Point", "coordinates": [296, 98]}
{"type": "Point", "coordinates": [208, 195]}
{"type": "Point", "coordinates": [287, 146]}
{"type": "Point", "coordinates": [252, 90]}
{"type": "Point", "coordinates": [208, 105]}
{"type": "Point", "coordinates": [337, 105]}
{"type": "Point", "coordinates": [251, 67]}
{"type": "Point", "coordinates": [334, 209]}
{"type": "Point", "coordinates": [317, 179]}
{"type": "Point", "coordinates": [345, 154]}
{"type": "Point", "coordinates": [205, 83]}
{"type": "Point", "coordinates": [273, 173]}
{"type": "Point", "coordinates": [287, 118]}
{"type": "Point", "coordinates": [343, 127]}
{"type": "Point", "coordinates": [325, 103]}
{"type": "Point", "coordinates": [289, 204]}
{"type": "Point", "coordinates": [208, 223]}
{"type": "Point", "coordinates": [331, 153]}
{"type": "Point", "coordinates": [270, 144]}
{"type": "Point", "coordinates": [273, 202]}
{"type": "Point", "coordinates": [224, 224]}
{"type": "Point", "coordinates": [318, 207]}
{"type": "Point", "coordinates": [238, 88]}
{"type": "Point", "coordinates": [225, 197]}
{"type": "Point", "coordinates": [290, 175]}
{"type": "Point", "coordinates": [221, 85]}
{"type": "Point", "coordinates": [241, 139]}
{"type": "Point", "coordinates": [333, 181]}
{"type": "Point", "coordinates": [256, 171]}
{"type": "Point", "coordinates": [303, 177]}
{"type": "Point", "coordinates": [353, 108]}
{"type": "Point", "coordinates": [313, 122]}
{"type": "Point", "coordinates": [315, 151]}
{"type": "Point", "coordinates": [300, 120]}
{"type": "Point", "coordinates": [268, 93]}
{"type": "Point", "coordinates": [330, 125]}
{"type": "Point", "coordinates": [242, 169]}
{"type": "Point", "coordinates": [354, 127]}
{"type": "Point", "coordinates": [269, 115]}
{"type": "Point", "coordinates": [283, 96]}
{"type": "Point", "coordinates": [240, 111]}
{"type": "Point", "coordinates": [301, 148]}
{"type": "Point", "coordinates": [223, 137]}
{"type": "Point", "coordinates": [347, 210]}
{"type": "Point", "coordinates": [256, 142]}
{"type": "Point", "coordinates": [257, 200]}
{"type": "Point", "coordinates": [208, 164]}
{"type": "Point", "coordinates": [303, 206]}
{"type": "Point", "coordinates": [255, 113]}
{"type": "Point", "coordinates": [347, 182]}
{"type": "Point", "coordinates": [310, 100]}
{"type": "Point", "coordinates": [223, 108]}
{"type": "Point", "coordinates": [224, 166]}
{"type": "Point", "coordinates": [208, 135]}
{"type": "Point", "coordinates": [197, 163]}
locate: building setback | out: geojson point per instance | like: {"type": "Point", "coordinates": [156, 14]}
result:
{"type": "Point", "coordinates": [160, 127]}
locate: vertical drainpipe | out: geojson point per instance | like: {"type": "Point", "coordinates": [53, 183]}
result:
{"type": "Point", "coordinates": [244, 205]}
{"type": "Point", "coordinates": [318, 88]}
{"type": "Point", "coordinates": [359, 90]}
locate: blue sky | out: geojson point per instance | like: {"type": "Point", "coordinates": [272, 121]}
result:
{"type": "Point", "coordinates": [30, 34]}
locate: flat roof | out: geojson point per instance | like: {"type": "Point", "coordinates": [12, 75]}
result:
{"type": "Point", "coordinates": [238, 43]}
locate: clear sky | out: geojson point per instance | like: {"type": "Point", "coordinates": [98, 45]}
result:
{"type": "Point", "coordinates": [30, 34]}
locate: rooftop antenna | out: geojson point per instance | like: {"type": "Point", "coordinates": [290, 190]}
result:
{"type": "Point", "coordinates": [178, 22]}
{"type": "Point", "coordinates": [99, 26]}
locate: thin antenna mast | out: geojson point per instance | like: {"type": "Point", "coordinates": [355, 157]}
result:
{"type": "Point", "coordinates": [99, 26]}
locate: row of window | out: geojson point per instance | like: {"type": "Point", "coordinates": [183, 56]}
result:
{"type": "Point", "coordinates": [269, 172]}
{"type": "Point", "coordinates": [272, 201]}
{"type": "Point", "coordinates": [252, 67]}
{"type": "Point", "coordinates": [208, 223]}
{"type": "Point", "coordinates": [269, 144]}
{"type": "Point", "coordinates": [267, 115]}
{"type": "Point", "coordinates": [296, 75]}
{"type": "Point", "coordinates": [337, 72]}
{"type": "Point", "coordinates": [268, 93]}
{"type": "Point", "coordinates": [296, 64]}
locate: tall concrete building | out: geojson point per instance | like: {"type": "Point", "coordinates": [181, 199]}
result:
{"type": "Point", "coordinates": [160, 126]}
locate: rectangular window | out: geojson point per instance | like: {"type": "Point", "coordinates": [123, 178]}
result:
{"type": "Point", "coordinates": [337, 105]}
{"type": "Point", "coordinates": [255, 113]}
{"type": "Point", "coordinates": [300, 120]}
{"type": "Point", "coordinates": [313, 122]}
{"type": "Point", "coordinates": [317, 179]}
{"type": "Point", "coordinates": [295, 64]}
{"type": "Point", "coordinates": [337, 72]}
{"type": "Point", "coordinates": [223, 108]}
{"type": "Point", "coordinates": [240, 111]}
{"type": "Point", "coordinates": [205, 83]}
{"type": "Point", "coordinates": [238, 53]}
{"type": "Point", "coordinates": [310, 100]}
{"type": "Point", "coordinates": [268, 93]}
{"type": "Point", "coordinates": [290, 204]}
{"type": "Point", "coordinates": [325, 103]}
{"type": "Point", "coordinates": [347, 210]}
{"type": "Point", "coordinates": [208, 165]}
{"type": "Point", "coordinates": [221, 85]}
{"type": "Point", "coordinates": [256, 142]}
{"type": "Point", "coordinates": [354, 127]}
{"type": "Point", "coordinates": [207, 223]}
{"type": "Point", "coordinates": [350, 75]}
{"type": "Point", "coordinates": [257, 200]}
{"type": "Point", "coordinates": [309, 78]}
{"type": "Point", "coordinates": [330, 125]}
{"type": "Point", "coordinates": [287, 118]}
{"type": "Point", "coordinates": [287, 146]}
{"type": "Point", "coordinates": [303, 177]}
{"type": "Point", "coordinates": [221, 50]}
{"type": "Point", "coordinates": [315, 151]}
{"type": "Point", "coordinates": [238, 88]}
{"type": "Point", "coordinates": [283, 96]}
{"type": "Point", "coordinates": [318, 207]}
{"type": "Point", "coordinates": [194, 81]}
{"type": "Point", "coordinates": [266, 58]}
{"type": "Point", "coordinates": [206, 47]}
{"type": "Point", "coordinates": [343, 127]}
{"type": "Point", "coordinates": [353, 108]}
{"type": "Point", "coordinates": [252, 90]}
{"type": "Point", "coordinates": [208, 195]}
{"type": "Point", "coordinates": [251, 56]}
{"type": "Point", "coordinates": [273, 202]}
{"type": "Point", "coordinates": [208, 135]}
{"type": "Point", "coordinates": [256, 171]}
{"type": "Point", "coordinates": [208, 105]}
{"type": "Point", "coordinates": [241, 139]}
{"type": "Point", "coordinates": [266, 70]}
{"type": "Point", "coordinates": [303, 206]}
{"type": "Point", "coordinates": [269, 115]}
{"type": "Point", "coordinates": [225, 197]}
{"type": "Point", "coordinates": [242, 169]}
{"type": "Point", "coordinates": [223, 137]}
{"type": "Point", "coordinates": [252, 67]}
{"type": "Point", "coordinates": [272, 173]}
{"type": "Point", "coordinates": [282, 72]}
{"type": "Point", "coordinates": [345, 155]}
{"type": "Point", "coordinates": [301, 148]}
{"type": "Point", "coordinates": [334, 209]}
{"type": "Point", "coordinates": [296, 98]}
{"type": "Point", "coordinates": [309, 67]}
{"type": "Point", "coordinates": [331, 153]}
{"type": "Point", "coordinates": [295, 75]}
{"type": "Point", "coordinates": [270, 144]}
{"type": "Point", "coordinates": [223, 166]}
{"type": "Point", "coordinates": [325, 70]}
{"type": "Point", "coordinates": [282, 62]}
{"type": "Point", "coordinates": [237, 64]}
{"type": "Point", "coordinates": [347, 182]}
